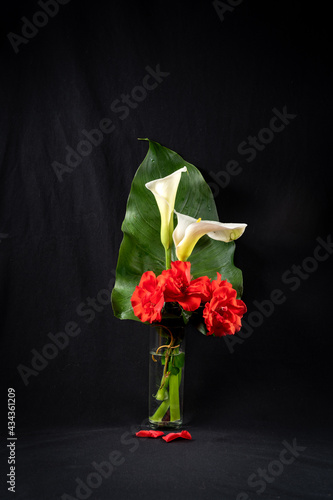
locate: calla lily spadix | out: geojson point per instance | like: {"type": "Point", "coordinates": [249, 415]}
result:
{"type": "Point", "coordinates": [165, 190]}
{"type": "Point", "coordinates": [190, 230]}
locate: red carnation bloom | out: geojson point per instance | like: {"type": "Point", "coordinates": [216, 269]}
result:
{"type": "Point", "coordinates": [224, 312]}
{"type": "Point", "coordinates": [179, 287]}
{"type": "Point", "coordinates": [201, 287]}
{"type": "Point", "coordinates": [217, 284]}
{"type": "Point", "coordinates": [148, 299]}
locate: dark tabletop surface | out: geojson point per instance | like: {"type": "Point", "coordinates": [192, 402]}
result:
{"type": "Point", "coordinates": [222, 461]}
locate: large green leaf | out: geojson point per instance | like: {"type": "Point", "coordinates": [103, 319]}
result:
{"type": "Point", "coordinates": [141, 249]}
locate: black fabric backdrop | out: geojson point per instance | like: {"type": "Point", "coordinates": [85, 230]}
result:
{"type": "Point", "coordinates": [205, 80]}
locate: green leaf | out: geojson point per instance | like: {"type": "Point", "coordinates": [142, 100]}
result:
{"type": "Point", "coordinates": [186, 316]}
{"type": "Point", "coordinates": [201, 327]}
{"type": "Point", "coordinates": [141, 248]}
{"type": "Point", "coordinates": [179, 360]}
{"type": "Point", "coordinates": [173, 370]}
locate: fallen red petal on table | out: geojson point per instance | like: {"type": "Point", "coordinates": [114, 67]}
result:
{"type": "Point", "coordinates": [153, 434]}
{"type": "Point", "coordinates": [175, 435]}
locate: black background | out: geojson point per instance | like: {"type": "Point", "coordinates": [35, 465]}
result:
{"type": "Point", "coordinates": [60, 240]}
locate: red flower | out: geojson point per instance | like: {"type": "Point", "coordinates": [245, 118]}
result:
{"type": "Point", "coordinates": [148, 299]}
{"type": "Point", "coordinates": [179, 287]}
{"type": "Point", "coordinates": [224, 312]}
{"type": "Point", "coordinates": [216, 283]}
{"type": "Point", "coordinates": [201, 287]}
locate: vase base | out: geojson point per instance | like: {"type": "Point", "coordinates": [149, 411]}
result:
{"type": "Point", "coordinates": [176, 424]}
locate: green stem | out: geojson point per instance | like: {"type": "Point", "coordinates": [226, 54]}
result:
{"type": "Point", "coordinates": [161, 411]}
{"type": "Point", "coordinates": [171, 382]}
{"type": "Point", "coordinates": [174, 384]}
{"type": "Point", "coordinates": [174, 397]}
{"type": "Point", "coordinates": [160, 395]}
{"type": "Point", "coordinates": [164, 406]}
{"type": "Point", "coordinates": [167, 258]}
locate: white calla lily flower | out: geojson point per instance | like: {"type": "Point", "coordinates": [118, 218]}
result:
{"type": "Point", "coordinates": [190, 230]}
{"type": "Point", "coordinates": [165, 190]}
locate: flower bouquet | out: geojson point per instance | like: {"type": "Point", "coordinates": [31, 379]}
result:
{"type": "Point", "coordinates": [175, 267]}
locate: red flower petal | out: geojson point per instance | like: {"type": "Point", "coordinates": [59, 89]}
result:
{"type": "Point", "coordinates": [201, 287]}
{"type": "Point", "coordinates": [153, 434]}
{"type": "Point", "coordinates": [189, 303]}
{"type": "Point", "coordinates": [174, 435]}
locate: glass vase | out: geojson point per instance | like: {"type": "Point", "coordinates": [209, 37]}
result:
{"type": "Point", "coordinates": [166, 375]}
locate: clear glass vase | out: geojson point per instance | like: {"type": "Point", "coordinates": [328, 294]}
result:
{"type": "Point", "coordinates": [166, 375]}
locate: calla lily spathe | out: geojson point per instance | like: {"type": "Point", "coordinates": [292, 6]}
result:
{"type": "Point", "coordinates": [165, 190]}
{"type": "Point", "coordinates": [190, 230]}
